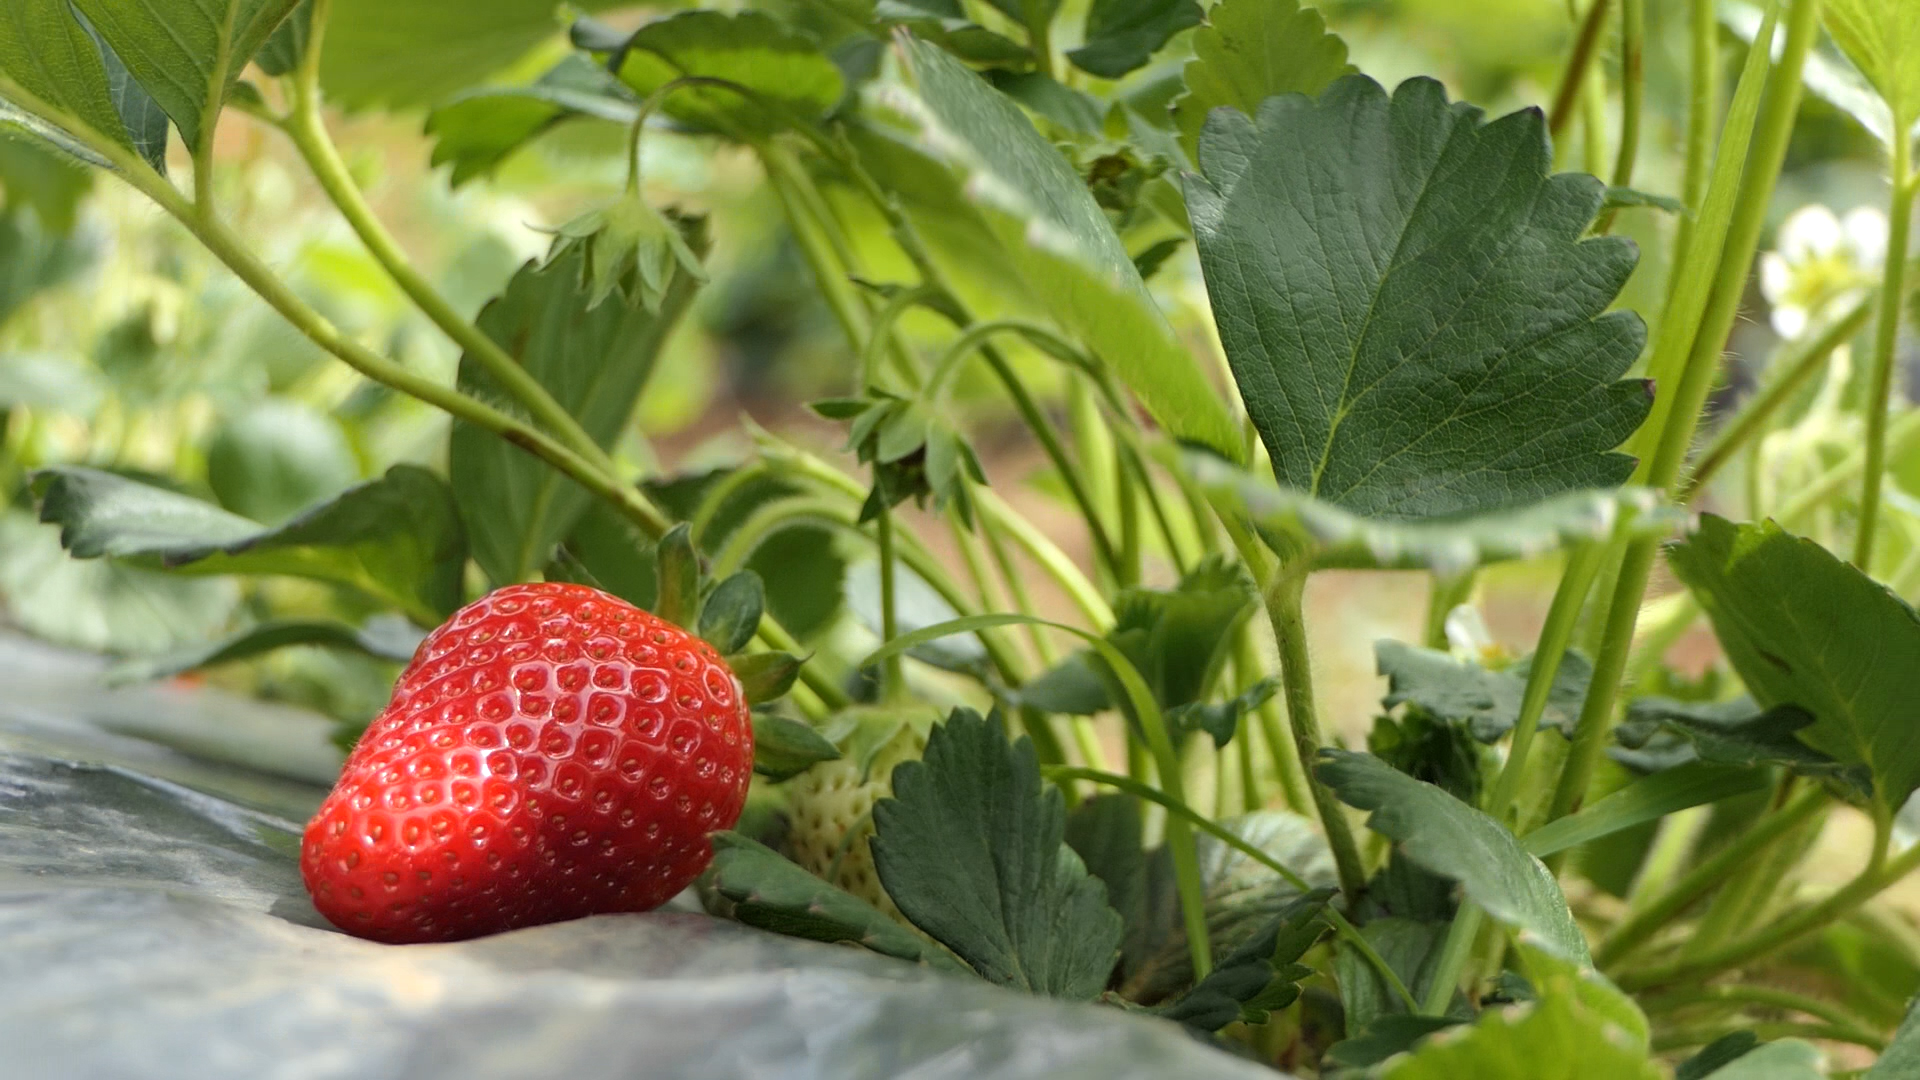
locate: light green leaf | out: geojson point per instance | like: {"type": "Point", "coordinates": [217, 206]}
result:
{"type": "Point", "coordinates": [392, 640]}
{"type": "Point", "coordinates": [1416, 324]}
{"type": "Point", "coordinates": [1882, 38]}
{"type": "Point", "coordinates": [1552, 975]}
{"type": "Point", "coordinates": [1783, 1059]}
{"type": "Point", "coordinates": [791, 80]}
{"type": "Point", "coordinates": [1250, 51]}
{"type": "Point", "coordinates": [32, 175]}
{"type": "Point", "coordinates": [1450, 838]}
{"type": "Point", "coordinates": [1462, 692]}
{"type": "Point", "coordinates": [397, 539]}
{"type": "Point", "coordinates": [1902, 1056]}
{"type": "Point", "coordinates": [479, 129]}
{"type": "Point", "coordinates": [594, 362]}
{"type": "Point", "coordinates": [1060, 241]}
{"type": "Point", "coordinates": [1551, 1039]}
{"type": "Point", "coordinates": [1122, 35]}
{"type": "Point", "coordinates": [1696, 783]}
{"type": "Point", "coordinates": [772, 893]}
{"type": "Point", "coordinates": [1292, 521]}
{"type": "Point", "coordinates": [45, 51]}
{"type": "Point", "coordinates": [944, 23]}
{"type": "Point", "coordinates": [1828, 73]}
{"type": "Point", "coordinates": [186, 53]}
{"type": "Point", "coordinates": [1804, 628]}
{"type": "Point", "coordinates": [784, 748]}
{"type": "Point", "coordinates": [971, 849]}
{"type": "Point", "coordinates": [419, 52]}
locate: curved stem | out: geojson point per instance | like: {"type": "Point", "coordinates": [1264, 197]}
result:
{"type": "Point", "coordinates": [1574, 77]}
{"type": "Point", "coordinates": [1886, 337]}
{"type": "Point", "coordinates": [1788, 372]}
{"type": "Point", "coordinates": [893, 680]}
{"type": "Point", "coordinates": [1639, 926]}
{"type": "Point", "coordinates": [1879, 873]}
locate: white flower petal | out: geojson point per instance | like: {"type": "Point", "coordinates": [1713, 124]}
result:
{"type": "Point", "coordinates": [1808, 233]}
{"type": "Point", "coordinates": [1776, 277]}
{"type": "Point", "coordinates": [1790, 320]}
{"type": "Point", "coordinates": [1866, 232]}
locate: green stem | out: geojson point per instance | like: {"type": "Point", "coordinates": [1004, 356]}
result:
{"type": "Point", "coordinates": [1284, 597]}
{"type": "Point", "coordinates": [811, 236]}
{"type": "Point", "coordinates": [1903, 435]}
{"type": "Point", "coordinates": [893, 679]}
{"type": "Point", "coordinates": [1703, 87]}
{"type": "Point", "coordinates": [1047, 554]}
{"type": "Point", "coordinates": [1886, 338]}
{"type": "Point", "coordinates": [1879, 873]}
{"type": "Point", "coordinates": [1700, 345]}
{"type": "Point", "coordinates": [1633, 86]}
{"type": "Point", "coordinates": [1563, 615]}
{"type": "Point", "coordinates": [1287, 763]}
{"type": "Point", "coordinates": [1789, 371]}
{"type": "Point", "coordinates": [1444, 593]}
{"type": "Point", "coordinates": [1640, 926]}
{"type": "Point", "coordinates": [1573, 79]}
{"type": "Point", "coordinates": [1015, 584]}
{"type": "Point", "coordinates": [1454, 953]}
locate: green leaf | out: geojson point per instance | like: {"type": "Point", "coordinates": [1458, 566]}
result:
{"type": "Point", "coordinates": [144, 119]}
{"type": "Point", "coordinates": [186, 53]}
{"type": "Point", "coordinates": [1462, 692]}
{"type": "Point", "coordinates": [1387, 1035]}
{"type": "Point", "coordinates": [1108, 832]}
{"type": "Point", "coordinates": [790, 79]}
{"type": "Point", "coordinates": [288, 42]}
{"type": "Point", "coordinates": [404, 55]}
{"type": "Point", "coordinates": [1551, 974]}
{"type": "Point", "coordinates": [1410, 949]}
{"type": "Point", "coordinates": [1250, 51]}
{"type": "Point", "coordinates": [766, 676]}
{"type": "Point", "coordinates": [1448, 837]}
{"type": "Point", "coordinates": [971, 849]}
{"type": "Point", "coordinates": [1177, 637]}
{"type": "Point", "coordinates": [1259, 977]}
{"type": "Point", "coordinates": [1902, 1056]}
{"type": "Point", "coordinates": [732, 612]}
{"type": "Point", "coordinates": [772, 893]}
{"type": "Point", "coordinates": [1122, 35]}
{"type": "Point", "coordinates": [31, 175]}
{"type": "Point", "coordinates": [917, 605]}
{"type": "Point", "coordinates": [1882, 37]}
{"type": "Point", "coordinates": [1407, 303]}
{"type": "Point", "coordinates": [1074, 110]}
{"type": "Point", "coordinates": [1733, 733]}
{"type": "Point", "coordinates": [1721, 1051]}
{"type": "Point", "coordinates": [1074, 687]}
{"type": "Point", "coordinates": [44, 50]}
{"type": "Point", "coordinates": [1291, 521]}
{"type": "Point", "coordinates": [677, 584]}
{"type": "Point", "coordinates": [1783, 1059]}
{"type": "Point", "coordinates": [1804, 628]}
{"type": "Point", "coordinates": [391, 640]}
{"type": "Point", "coordinates": [1221, 719]}
{"type": "Point", "coordinates": [277, 458]}
{"type": "Point", "coordinates": [479, 129]}
{"type": "Point", "coordinates": [1649, 798]}
{"type": "Point", "coordinates": [1828, 74]}
{"type": "Point", "coordinates": [397, 539]}
{"type": "Point", "coordinates": [595, 362]}
{"type": "Point", "coordinates": [1626, 198]}
{"type": "Point", "coordinates": [1060, 240]}
{"type": "Point", "coordinates": [783, 748]}
{"type": "Point", "coordinates": [945, 24]}
{"type": "Point", "coordinates": [1550, 1039]}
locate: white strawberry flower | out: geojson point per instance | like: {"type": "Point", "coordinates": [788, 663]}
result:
{"type": "Point", "coordinates": [1822, 260]}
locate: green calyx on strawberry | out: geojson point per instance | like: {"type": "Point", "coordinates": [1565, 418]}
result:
{"type": "Point", "coordinates": [632, 249]}
{"type": "Point", "coordinates": [551, 752]}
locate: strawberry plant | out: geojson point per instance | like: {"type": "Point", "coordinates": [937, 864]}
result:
{"type": "Point", "coordinates": [1258, 313]}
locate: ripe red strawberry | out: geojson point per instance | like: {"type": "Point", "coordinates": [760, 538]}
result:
{"type": "Point", "coordinates": [551, 752]}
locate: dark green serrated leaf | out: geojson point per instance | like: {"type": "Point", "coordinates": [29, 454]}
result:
{"type": "Point", "coordinates": [288, 42]}
{"type": "Point", "coordinates": [1446, 836]}
{"type": "Point", "coordinates": [732, 612]}
{"type": "Point", "coordinates": [44, 50]}
{"type": "Point", "coordinates": [186, 53]}
{"type": "Point", "coordinates": [766, 676]}
{"type": "Point", "coordinates": [1122, 35]}
{"type": "Point", "coordinates": [142, 117]}
{"type": "Point", "coordinates": [971, 849]}
{"type": "Point", "coordinates": [397, 538]}
{"type": "Point", "coordinates": [1073, 688]}
{"type": "Point", "coordinates": [791, 81]}
{"type": "Point", "coordinates": [772, 893]}
{"type": "Point", "coordinates": [1731, 733]}
{"type": "Point", "coordinates": [1385, 1036]}
{"type": "Point", "coordinates": [1221, 719]}
{"type": "Point", "coordinates": [419, 53]}
{"type": "Point", "coordinates": [1177, 637]}
{"type": "Point", "coordinates": [1251, 50]}
{"type": "Point", "coordinates": [381, 640]}
{"type": "Point", "coordinates": [1411, 949]}
{"type": "Point", "coordinates": [1109, 834]}
{"type": "Point", "coordinates": [479, 129]}
{"type": "Point", "coordinates": [595, 362]}
{"type": "Point", "coordinates": [1067, 253]}
{"type": "Point", "coordinates": [1486, 702]}
{"type": "Point", "coordinates": [1804, 628]}
{"type": "Point", "coordinates": [1259, 977]}
{"type": "Point", "coordinates": [784, 748]}
{"type": "Point", "coordinates": [1434, 342]}
{"type": "Point", "coordinates": [676, 594]}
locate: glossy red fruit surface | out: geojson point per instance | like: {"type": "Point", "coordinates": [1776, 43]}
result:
{"type": "Point", "coordinates": [551, 752]}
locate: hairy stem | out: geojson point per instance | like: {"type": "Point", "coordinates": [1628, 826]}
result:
{"type": "Point", "coordinates": [1885, 339]}
{"type": "Point", "coordinates": [1574, 77]}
